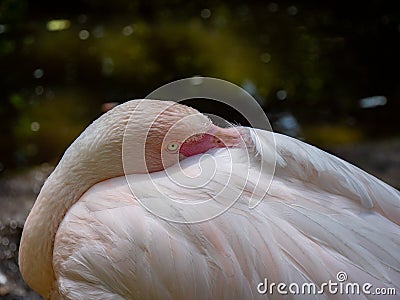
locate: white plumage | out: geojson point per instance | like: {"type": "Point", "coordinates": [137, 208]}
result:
{"type": "Point", "coordinates": [315, 221]}
{"type": "Point", "coordinates": [321, 216]}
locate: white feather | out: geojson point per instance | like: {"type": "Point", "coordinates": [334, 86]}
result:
{"type": "Point", "coordinates": [320, 216]}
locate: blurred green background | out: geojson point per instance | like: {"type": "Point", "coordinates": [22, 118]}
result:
{"type": "Point", "coordinates": [325, 71]}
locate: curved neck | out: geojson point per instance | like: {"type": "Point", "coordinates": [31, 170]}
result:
{"type": "Point", "coordinates": [96, 155]}
{"type": "Point", "coordinates": [93, 157]}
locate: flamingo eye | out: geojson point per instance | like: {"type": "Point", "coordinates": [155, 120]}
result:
{"type": "Point", "coordinates": [173, 146]}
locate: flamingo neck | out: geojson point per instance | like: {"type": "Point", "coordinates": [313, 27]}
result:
{"type": "Point", "coordinates": [93, 157]}
{"type": "Point", "coordinates": [96, 155]}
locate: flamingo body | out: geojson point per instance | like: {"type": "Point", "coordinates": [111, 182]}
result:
{"type": "Point", "coordinates": [314, 222]}
{"type": "Point", "coordinates": [89, 236]}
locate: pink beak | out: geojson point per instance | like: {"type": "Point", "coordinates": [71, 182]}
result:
{"type": "Point", "coordinates": [216, 137]}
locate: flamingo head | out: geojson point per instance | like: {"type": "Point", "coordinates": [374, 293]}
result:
{"type": "Point", "coordinates": [176, 131]}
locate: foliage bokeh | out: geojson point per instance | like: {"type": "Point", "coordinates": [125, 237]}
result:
{"type": "Point", "coordinates": [313, 60]}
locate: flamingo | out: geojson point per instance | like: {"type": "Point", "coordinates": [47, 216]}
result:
{"type": "Point", "coordinates": [88, 236]}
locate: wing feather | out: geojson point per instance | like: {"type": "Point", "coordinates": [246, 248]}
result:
{"type": "Point", "coordinates": [304, 162]}
{"type": "Point", "coordinates": [314, 221]}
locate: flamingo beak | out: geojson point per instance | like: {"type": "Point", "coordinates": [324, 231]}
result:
{"type": "Point", "coordinates": [215, 137]}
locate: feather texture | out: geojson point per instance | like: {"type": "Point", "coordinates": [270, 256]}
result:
{"type": "Point", "coordinates": [321, 215]}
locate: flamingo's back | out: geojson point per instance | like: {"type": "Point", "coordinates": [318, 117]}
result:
{"type": "Point", "coordinates": [307, 229]}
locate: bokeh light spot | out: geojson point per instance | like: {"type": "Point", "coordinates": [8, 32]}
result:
{"type": "Point", "coordinates": [3, 28]}
{"type": "Point", "coordinates": [265, 57]}
{"type": "Point", "coordinates": [373, 101]}
{"type": "Point", "coordinates": [35, 126]}
{"type": "Point", "coordinates": [205, 13]}
{"type": "Point", "coordinates": [84, 34]}
{"type": "Point", "coordinates": [281, 94]}
{"type": "Point", "coordinates": [127, 30]}
{"type": "Point", "coordinates": [38, 73]}
{"type": "Point", "coordinates": [58, 25]}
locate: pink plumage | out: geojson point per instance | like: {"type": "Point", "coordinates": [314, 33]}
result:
{"type": "Point", "coordinates": [320, 216]}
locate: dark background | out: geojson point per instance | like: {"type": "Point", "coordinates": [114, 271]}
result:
{"type": "Point", "coordinates": [322, 57]}
{"type": "Point", "coordinates": [324, 71]}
